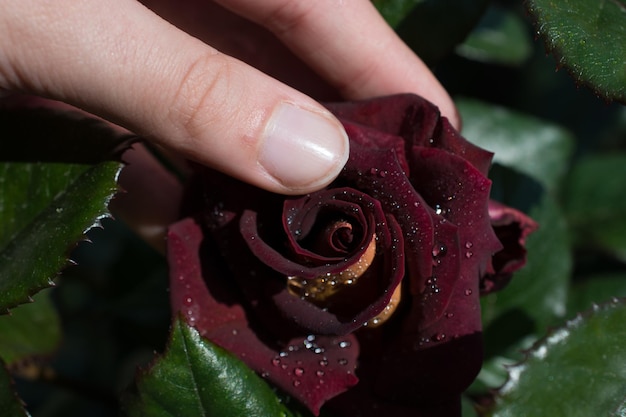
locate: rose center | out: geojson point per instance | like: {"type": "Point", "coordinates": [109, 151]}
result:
{"type": "Point", "coordinates": [319, 290]}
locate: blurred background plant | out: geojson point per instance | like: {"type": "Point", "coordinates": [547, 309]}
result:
{"type": "Point", "coordinates": [540, 84]}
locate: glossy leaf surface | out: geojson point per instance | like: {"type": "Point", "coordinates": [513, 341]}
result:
{"type": "Point", "coordinates": [578, 370]}
{"type": "Point", "coordinates": [45, 207]}
{"type": "Point", "coordinates": [196, 378]}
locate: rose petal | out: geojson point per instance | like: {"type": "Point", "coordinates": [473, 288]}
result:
{"type": "Point", "coordinates": [310, 369]}
{"type": "Point", "coordinates": [416, 120]}
{"type": "Point", "coordinates": [512, 228]}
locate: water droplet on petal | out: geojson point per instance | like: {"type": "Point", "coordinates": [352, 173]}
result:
{"type": "Point", "coordinates": [439, 250]}
{"type": "Point", "coordinates": [468, 292]}
{"type": "Point", "coordinates": [275, 361]}
{"type": "Point", "coordinates": [319, 373]}
{"type": "Point", "coordinates": [468, 245]}
{"type": "Point", "coordinates": [324, 362]}
{"type": "Point", "coordinates": [344, 344]}
{"type": "Point", "coordinates": [468, 254]}
{"type": "Point", "coordinates": [298, 372]}
{"type": "Point", "coordinates": [438, 337]}
{"type": "Point", "coordinates": [342, 361]}
{"type": "Point", "coordinates": [296, 383]}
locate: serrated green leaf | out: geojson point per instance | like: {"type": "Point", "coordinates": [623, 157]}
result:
{"type": "Point", "coordinates": [578, 370]}
{"type": "Point", "coordinates": [30, 330]}
{"type": "Point", "coordinates": [589, 38]}
{"type": "Point", "coordinates": [10, 405]}
{"type": "Point", "coordinates": [432, 28]}
{"type": "Point", "coordinates": [531, 146]}
{"type": "Point", "coordinates": [45, 207]}
{"type": "Point", "coordinates": [35, 245]}
{"type": "Point", "coordinates": [197, 378]}
{"type": "Point", "coordinates": [501, 37]}
{"type": "Point", "coordinates": [595, 202]}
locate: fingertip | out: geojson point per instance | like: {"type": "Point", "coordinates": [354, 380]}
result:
{"type": "Point", "coordinates": [302, 149]}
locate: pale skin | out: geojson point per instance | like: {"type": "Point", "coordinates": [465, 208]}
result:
{"type": "Point", "coordinates": [201, 78]}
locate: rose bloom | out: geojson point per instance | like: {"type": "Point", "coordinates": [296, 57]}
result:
{"type": "Point", "coordinates": [364, 296]}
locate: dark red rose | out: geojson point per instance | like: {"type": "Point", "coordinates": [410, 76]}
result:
{"type": "Point", "coordinates": [363, 295]}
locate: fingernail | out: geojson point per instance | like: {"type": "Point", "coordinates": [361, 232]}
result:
{"type": "Point", "coordinates": [303, 149]}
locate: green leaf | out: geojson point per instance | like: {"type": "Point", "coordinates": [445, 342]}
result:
{"type": "Point", "coordinates": [595, 202]}
{"type": "Point", "coordinates": [501, 37]}
{"type": "Point", "coordinates": [10, 405]}
{"type": "Point", "coordinates": [45, 207]}
{"type": "Point", "coordinates": [578, 370]}
{"type": "Point", "coordinates": [59, 204]}
{"type": "Point", "coordinates": [432, 28]}
{"type": "Point", "coordinates": [30, 330]}
{"type": "Point", "coordinates": [197, 378]}
{"type": "Point", "coordinates": [531, 146]}
{"type": "Point", "coordinates": [589, 39]}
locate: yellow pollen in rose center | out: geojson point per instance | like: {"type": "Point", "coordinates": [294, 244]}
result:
{"type": "Point", "coordinates": [318, 289]}
{"type": "Point", "coordinates": [388, 311]}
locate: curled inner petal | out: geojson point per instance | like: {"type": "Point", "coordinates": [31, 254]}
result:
{"type": "Point", "coordinates": [319, 289]}
{"type": "Point", "coordinates": [388, 311]}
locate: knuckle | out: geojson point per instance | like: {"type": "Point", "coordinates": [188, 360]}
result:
{"type": "Point", "coordinates": [289, 15]}
{"type": "Point", "coordinates": [200, 101]}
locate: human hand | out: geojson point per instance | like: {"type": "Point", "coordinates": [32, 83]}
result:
{"type": "Point", "coordinates": [122, 61]}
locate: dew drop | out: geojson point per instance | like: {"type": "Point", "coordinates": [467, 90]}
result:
{"type": "Point", "coordinates": [298, 372]}
{"type": "Point", "coordinates": [438, 337]}
{"type": "Point", "coordinates": [323, 362]}
{"type": "Point", "coordinates": [296, 383]}
{"type": "Point", "coordinates": [284, 366]}
{"type": "Point", "coordinates": [468, 245]}
{"type": "Point", "coordinates": [275, 361]}
{"type": "Point", "coordinates": [468, 292]}
{"type": "Point", "coordinates": [342, 361]}
{"type": "Point", "coordinates": [439, 250]}
{"type": "Point", "coordinates": [188, 301]}
{"type": "Point", "coordinates": [468, 254]}
{"type": "Point", "coordinates": [438, 209]}
{"type": "Point", "coordinates": [344, 344]}
{"type": "Point", "coordinates": [319, 373]}
{"type": "Point", "coordinates": [449, 315]}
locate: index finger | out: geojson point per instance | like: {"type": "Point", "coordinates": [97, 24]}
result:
{"type": "Point", "coordinates": [350, 45]}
